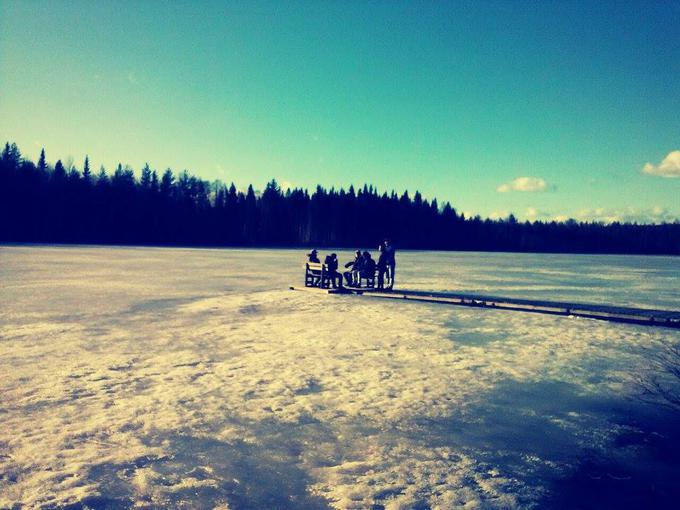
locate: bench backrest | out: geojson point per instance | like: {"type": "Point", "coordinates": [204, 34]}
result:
{"type": "Point", "coordinates": [316, 266]}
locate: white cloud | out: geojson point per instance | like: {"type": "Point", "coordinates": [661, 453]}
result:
{"type": "Point", "coordinates": [669, 167]}
{"type": "Point", "coordinates": [523, 184]}
{"type": "Point", "coordinates": [285, 184]}
{"type": "Point", "coordinates": [560, 218]}
{"type": "Point", "coordinates": [656, 214]}
{"type": "Point", "coordinates": [533, 214]}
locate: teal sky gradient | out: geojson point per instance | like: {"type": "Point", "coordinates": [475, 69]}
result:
{"type": "Point", "coordinates": [452, 99]}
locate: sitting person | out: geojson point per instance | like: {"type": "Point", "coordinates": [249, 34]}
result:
{"type": "Point", "coordinates": [352, 276]}
{"type": "Point", "coordinates": [312, 257]}
{"type": "Point", "coordinates": [334, 277]}
{"type": "Point", "coordinates": [313, 276]}
{"type": "Point", "coordinates": [368, 266]}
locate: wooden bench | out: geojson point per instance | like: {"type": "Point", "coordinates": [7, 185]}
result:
{"type": "Point", "coordinates": [316, 275]}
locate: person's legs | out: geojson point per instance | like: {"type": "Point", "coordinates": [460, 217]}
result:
{"type": "Point", "coordinates": [317, 278]}
{"type": "Point", "coordinates": [348, 277]}
{"type": "Point", "coordinates": [391, 272]}
{"type": "Point", "coordinates": [381, 278]}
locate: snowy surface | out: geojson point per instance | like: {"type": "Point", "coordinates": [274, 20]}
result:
{"type": "Point", "coordinates": [156, 378]}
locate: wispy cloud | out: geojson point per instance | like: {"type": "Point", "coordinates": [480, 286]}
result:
{"type": "Point", "coordinates": [498, 215]}
{"type": "Point", "coordinates": [669, 167]}
{"type": "Point", "coordinates": [652, 215]}
{"type": "Point", "coordinates": [533, 214]}
{"type": "Point", "coordinates": [523, 184]}
{"type": "Point", "coordinates": [656, 214]}
{"type": "Point", "coordinates": [285, 184]}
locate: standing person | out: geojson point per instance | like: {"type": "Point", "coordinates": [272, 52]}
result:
{"type": "Point", "coordinates": [391, 262]}
{"type": "Point", "coordinates": [382, 266]}
{"type": "Point", "coordinates": [334, 277]}
{"type": "Point", "coordinates": [352, 276]}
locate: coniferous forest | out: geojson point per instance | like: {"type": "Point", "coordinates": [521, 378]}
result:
{"type": "Point", "coordinates": [40, 203]}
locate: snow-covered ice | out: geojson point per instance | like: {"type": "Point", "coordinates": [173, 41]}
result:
{"type": "Point", "coordinates": [156, 378]}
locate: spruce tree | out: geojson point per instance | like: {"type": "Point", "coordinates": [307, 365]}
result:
{"type": "Point", "coordinates": [102, 178]}
{"type": "Point", "coordinates": [145, 181]}
{"type": "Point", "coordinates": [117, 174]}
{"type": "Point", "coordinates": [59, 173]}
{"type": "Point", "coordinates": [42, 164]}
{"type": "Point", "coordinates": [11, 156]}
{"type": "Point", "coordinates": [87, 175]}
{"type": "Point", "coordinates": [154, 181]}
{"type": "Point", "coordinates": [166, 182]}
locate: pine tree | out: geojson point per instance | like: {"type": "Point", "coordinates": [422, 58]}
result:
{"type": "Point", "coordinates": [11, 156]}
{"type": "Point", "coordinates": [87, 175]}
{"type": "Point", "coordinates": [59, 173]}
{"type": "Point", "coordinates": [73, 174]}
{"type": "Point", "coordinates": [42, 164]}
{"type": "Point", "coordinates": [154, 181]}
{"type": "Point", "coordinates": [102, 178]}
{"type": "Point", "coordinates": [117, 174]}
{"type": "Point", "coordinates": [145, 181]}
{"type": "Point", "coordinates": [166, 182]}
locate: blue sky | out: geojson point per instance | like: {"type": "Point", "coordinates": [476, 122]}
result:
{"type": "Point", "coordinates": [543, 109]}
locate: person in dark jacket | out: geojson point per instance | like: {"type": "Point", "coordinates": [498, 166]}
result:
{"type": "Point", "coordinates": [333, 275]}
{"type": "Point", "coordinates": [368, 267]}
{"type": "Point", "coordinates": [352, 276]}
{"type": "Point", "coordinates": [315, 274]}
{"type": "Point", "coordinates": [391, 262]}
{"type": "Point", "coordinates": [382, 266]}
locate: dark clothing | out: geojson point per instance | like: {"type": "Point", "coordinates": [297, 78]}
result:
{"type": "Point", "coordinates": [382, 269]}
{"type": "Point", "coordinates": [390, 254]}
{"type": "Point", "coordinates": [313, 258]}
{"type": "Point", "coordinates": [352, 276]}
{"type": "Point", "coordinates": [383, 260]}
{"type": "Point", "coordinates": [368, 268]}
{"type": "Point", "coordinates": [334, 277]}
{"type": "Point", "coordinates": [331, 264]}
{"type": "Point", "coordinates": [390, 275]}
{"type": "Point", "coordinates": [356, 264]}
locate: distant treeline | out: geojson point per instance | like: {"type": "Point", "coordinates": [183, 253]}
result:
{"type": "Point", "coordinates": [63, 204]}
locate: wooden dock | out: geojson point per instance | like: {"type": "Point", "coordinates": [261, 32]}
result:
{"type": "Point", "coordinates": [644, 316]}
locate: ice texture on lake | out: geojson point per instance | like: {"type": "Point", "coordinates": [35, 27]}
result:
{"type": "Point", "coordinates": [180, 378]}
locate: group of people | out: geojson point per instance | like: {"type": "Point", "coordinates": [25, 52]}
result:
{"type": "Point", "coordinates": [363, 266]}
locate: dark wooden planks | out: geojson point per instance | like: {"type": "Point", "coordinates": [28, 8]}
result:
{"type": "Point", "coordinates": [645, 316]}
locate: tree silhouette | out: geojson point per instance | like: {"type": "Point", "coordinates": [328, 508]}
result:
{"type": "Point", "coordinates": [43, 204]}
{"type": "Point", "coordinates": [42, 164]}
{"type": "Point", "coordinates": [87, 175]}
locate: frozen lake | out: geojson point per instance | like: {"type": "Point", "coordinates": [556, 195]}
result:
{"type": "Point", "coordinates": [181, 378]}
